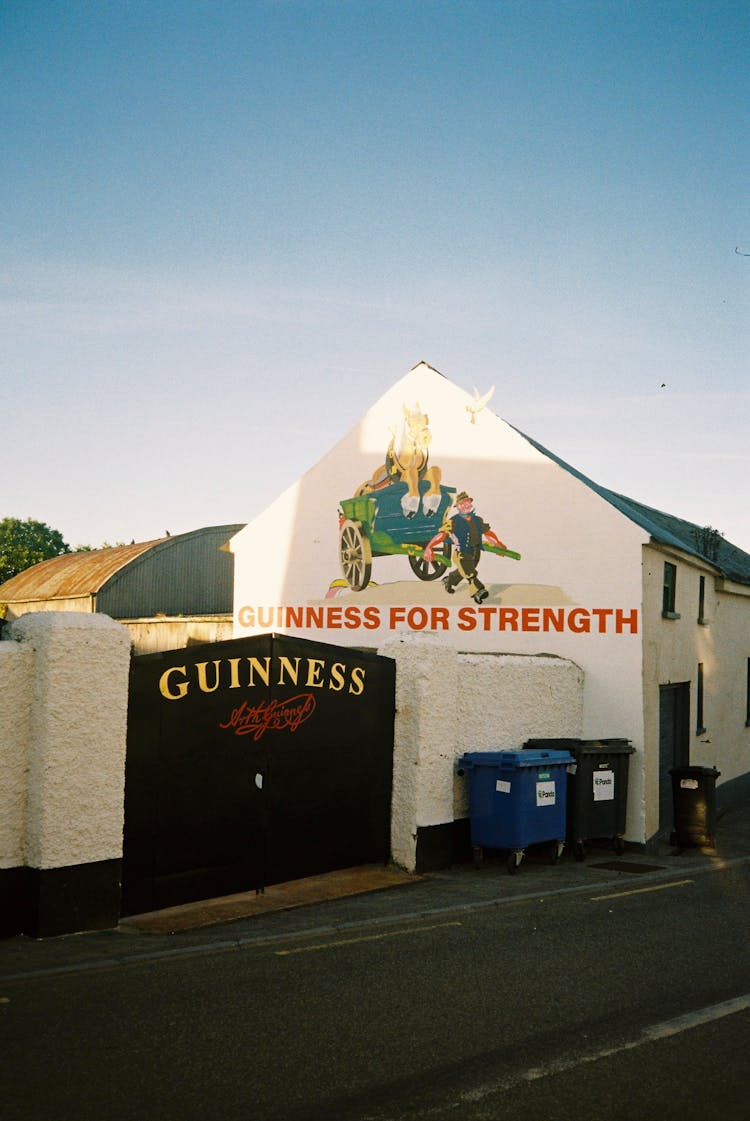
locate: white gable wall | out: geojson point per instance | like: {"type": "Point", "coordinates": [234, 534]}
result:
{"type": "Point", "coordinates": [580, 560]}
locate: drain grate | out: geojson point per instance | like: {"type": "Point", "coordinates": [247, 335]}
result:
{"type": "Point", "coordinates": [628, 866]}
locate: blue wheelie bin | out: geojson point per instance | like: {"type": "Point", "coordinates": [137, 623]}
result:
{"type": "Point", "coordinates": [516, 799]}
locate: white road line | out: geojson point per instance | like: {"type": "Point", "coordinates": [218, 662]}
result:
{"type": "Point", "coordinates": [654, 1032]}
{"type": "Point", "coordinates": [664, 1030]}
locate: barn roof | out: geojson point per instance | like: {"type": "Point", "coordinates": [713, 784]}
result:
{"type": "Point", "coordinates": [72, 574]}
{"type": "Point", "coordinates": [81, 574]}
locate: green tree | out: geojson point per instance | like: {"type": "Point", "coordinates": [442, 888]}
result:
{"type": "Point", "coordinates": [23, 544]}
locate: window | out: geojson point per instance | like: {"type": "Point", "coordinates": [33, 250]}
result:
{"type": "Point", "coordinates": [669, 596]}
{"type": "Point", "coordinates": [701, 599]}
{"type": "Point", "coordinates": [700, 726]}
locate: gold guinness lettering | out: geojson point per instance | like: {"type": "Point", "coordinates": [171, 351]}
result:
{"type": "Point", "coordinates": [164, 684]}
{"type": "Point", "coordinates": [247, 673]}
{"type": "Point", "coordinates": [203, 678]}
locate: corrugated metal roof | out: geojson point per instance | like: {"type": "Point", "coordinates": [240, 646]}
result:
{"type": "Point", "coordinates": [72, 574]}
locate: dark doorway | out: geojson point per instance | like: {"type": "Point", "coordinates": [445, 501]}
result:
{"type": "Point", "coordinates": [253, 762]}
{"type": "Point", "coordinates": [674, 743]}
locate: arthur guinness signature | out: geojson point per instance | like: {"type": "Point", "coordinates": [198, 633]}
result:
{"type": "Point", "coordinates": [256, 720]}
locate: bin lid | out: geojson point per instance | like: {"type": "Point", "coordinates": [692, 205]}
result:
{"type": "Point", "coordinates": [516, 759]}
{"type": "Point", "coordinates": [694, 771]}
{"type": "Point", "coordinates": [584, 747]}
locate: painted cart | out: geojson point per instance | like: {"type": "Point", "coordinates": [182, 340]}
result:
{"type": "Point", "coordinates": [374, 525]}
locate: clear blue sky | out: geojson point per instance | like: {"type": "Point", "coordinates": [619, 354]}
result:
{"type": "Point", "coordinates": [228, 228]}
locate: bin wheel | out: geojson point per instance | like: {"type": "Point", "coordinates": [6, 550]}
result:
{"type": "Point", "coordinates": [478, 856]}
{"type": "Point", "coordinates": [514, 860]}
{"type": "Point", "coordinates": [618, 844]}
{"type": "Point", "coordinates": [579, 850]}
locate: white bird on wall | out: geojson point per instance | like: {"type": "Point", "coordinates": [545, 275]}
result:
{"type": "Point", "coordinates": [478, 403]}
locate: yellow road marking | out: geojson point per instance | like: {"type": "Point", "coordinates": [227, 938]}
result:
{"type": "Point", "coordinates": [642, 890]}
{"type": "Point", "coordinates": [364, 938]}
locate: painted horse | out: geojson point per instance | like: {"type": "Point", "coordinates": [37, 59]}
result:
{"type": "Point", "coordinates": [407, 461]}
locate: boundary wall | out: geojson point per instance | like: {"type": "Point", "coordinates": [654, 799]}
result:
{"type": "Point", "coordinates": [448, 703]}
{"type": "Point", "coordinates": [64, 681]}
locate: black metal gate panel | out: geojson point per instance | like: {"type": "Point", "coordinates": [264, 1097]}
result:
{"type": "Point", "coordinates": [254, 762]}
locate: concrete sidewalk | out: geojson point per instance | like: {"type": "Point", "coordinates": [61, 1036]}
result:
{"type": "Point", "coordinates": [366, 896]}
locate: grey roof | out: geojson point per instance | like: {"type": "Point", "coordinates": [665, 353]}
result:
{"type": "Point", "coordinates": [698, 541]}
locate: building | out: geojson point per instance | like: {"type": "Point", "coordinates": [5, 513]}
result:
{"type": "Point", "coordinates": [654, 611]}
{"type": "Point", "coordinates": [168, 592]}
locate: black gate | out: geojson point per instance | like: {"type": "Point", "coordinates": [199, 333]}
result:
{"type": "Point", "coordinates": [253, 762]}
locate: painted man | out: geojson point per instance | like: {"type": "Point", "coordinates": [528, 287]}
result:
{"type": "Point", "coordinates": [467, 532]}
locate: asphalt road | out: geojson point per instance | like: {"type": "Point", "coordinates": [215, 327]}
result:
{"type": "Point", "coordinates": [613, 1002]}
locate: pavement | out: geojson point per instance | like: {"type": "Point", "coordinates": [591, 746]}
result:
{"type": "Point", "coordinates": [367, 896]}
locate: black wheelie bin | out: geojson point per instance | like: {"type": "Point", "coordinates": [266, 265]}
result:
{"type": "Point", "coordinates": [694, 805]}
{"type": "Point", "coordinates": [597, 790]}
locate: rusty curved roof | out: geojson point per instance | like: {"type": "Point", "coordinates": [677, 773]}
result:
{"type": "Point", "coordinates": [72, 574]}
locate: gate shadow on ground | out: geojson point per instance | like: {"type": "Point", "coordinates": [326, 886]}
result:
{"type": "Point", "coordinates": [277, 897]}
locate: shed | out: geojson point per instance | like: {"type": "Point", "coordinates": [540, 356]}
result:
{"type": "Point", "coordinates": [188, 574]}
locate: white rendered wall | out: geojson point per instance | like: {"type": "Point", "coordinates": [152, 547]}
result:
{"type": "Point", "coordinates": [672, 650]}
{"type": "Point", "coordinates": [76, 716]}
{"type": "Point", "coordinates": [16, 670]}
{"type": "Point", "coordinates": [448, 703]}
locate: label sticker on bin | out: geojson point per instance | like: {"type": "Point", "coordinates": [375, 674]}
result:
{"type": "Point", "coordinates": [688, 783]}
{"type": "Point", "coordinates": [545, 794]}
{"type": "Point", "coordinates": [604, 786]}
{"type": "Point", "coordinates": [502, 787]}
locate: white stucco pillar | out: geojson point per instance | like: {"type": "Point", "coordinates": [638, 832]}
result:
{"type": "Point", "coordinates": [76, 768]}
{"type": "Point", "coordinates": [423, 753]}
{"type": "Point", "coordinates": [16, 665]}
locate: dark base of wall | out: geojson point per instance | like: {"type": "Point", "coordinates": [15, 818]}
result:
{"type": "Point", "coordinates": [13, 901]}
{"type": "Point", "coordinates": [439, 846]}
{"type": "Point", "coordinates": [43, 902]}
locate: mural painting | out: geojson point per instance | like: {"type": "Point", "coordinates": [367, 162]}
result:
{"type": "Point", "coordinates": [404, 509]}
{"type": "Point", "coordinates": [423, 542]}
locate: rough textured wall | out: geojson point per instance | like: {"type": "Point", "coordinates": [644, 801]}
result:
{"type": "Point", "coordinates": [448, 703]}
{"type": "Point", "coordinates": [77, 736]}
{"type": "Point", "coordinates": [506, 699]}
{"type": "Point", "coordinates": [16, 666]}
{"type": "Point", "coordinates": [426, 693]}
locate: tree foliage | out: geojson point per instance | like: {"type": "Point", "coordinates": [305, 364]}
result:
{"type": "Point", "coordinates": [25, 543]}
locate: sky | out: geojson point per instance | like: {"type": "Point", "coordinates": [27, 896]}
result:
{"type": "Point", "coordinates": [229, 227]}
